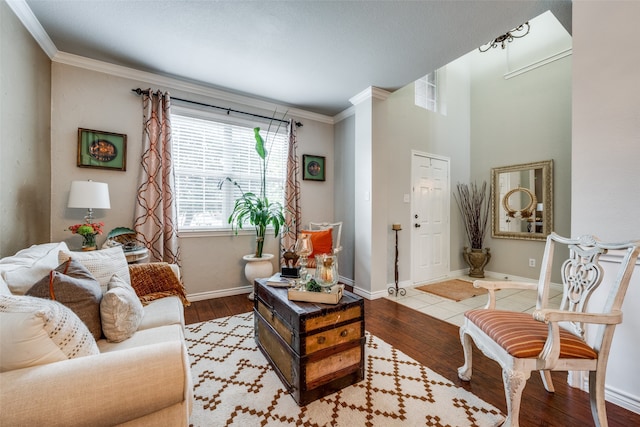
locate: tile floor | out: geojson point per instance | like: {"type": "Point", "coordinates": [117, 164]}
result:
{"type": "Point", "coordinates": [453, 312]}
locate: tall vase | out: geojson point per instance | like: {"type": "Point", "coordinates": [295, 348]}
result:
{"type": "Point", "coordinates": [477, 260]}
{"type": "Point", "coordinates": [257, 268]}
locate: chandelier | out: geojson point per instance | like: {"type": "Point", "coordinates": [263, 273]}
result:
{"type": "Point", "coordinates": [502, 40]}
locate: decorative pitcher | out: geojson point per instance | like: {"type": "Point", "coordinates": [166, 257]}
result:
{"type": "Point", "coordinates": [326, 270]}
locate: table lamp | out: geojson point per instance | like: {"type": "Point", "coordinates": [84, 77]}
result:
{"type": "Point", "coordinates": [89, 195]}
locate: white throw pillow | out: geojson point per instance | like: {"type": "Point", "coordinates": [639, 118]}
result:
{"type": "Point", "coordinates": [102, 264]}
{"type": "Point", "coordinates": [37, 331]}
{"type": "Point", "coordinates": [121, 311]}
{"type": "Point", "coordinates": [29, 265]}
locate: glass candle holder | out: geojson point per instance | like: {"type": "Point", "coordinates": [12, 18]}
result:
{"type": "Point", "coordinates": [326, 271]}
{"type": "Point", "coordinates": [303, 248]}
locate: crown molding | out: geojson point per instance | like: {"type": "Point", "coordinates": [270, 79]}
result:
{"type": "Point", "coordinates": [540, 63]}
{"type": "Point", "coordinates": [177, 84]}
{"type": "Point", "coordinates": [31, 23]}
{"type": "Point", "coordinates": [344, 114]}
{"type": "Point", "coordinates": [371, 92]}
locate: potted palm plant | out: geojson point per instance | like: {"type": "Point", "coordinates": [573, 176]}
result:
{"type": "Point", "coordinates": [259, 212]}
{"type": "Point", "coordinates": [474, 203]}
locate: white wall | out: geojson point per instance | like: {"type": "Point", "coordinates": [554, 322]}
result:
{"type": "Point", "coordinates": [344, 182]}
{"type": "Point", "coordinates": [606, 158]}
{"type": "Point", "coordinates": [405, 127]}
{"type": "Point", "coordinates": [524, 119]}
{"type": "Point", "coordinates": [82, 98]}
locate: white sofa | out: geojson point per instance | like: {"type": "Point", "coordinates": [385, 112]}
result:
{"type": "Point", "coordinates": [142, 380]}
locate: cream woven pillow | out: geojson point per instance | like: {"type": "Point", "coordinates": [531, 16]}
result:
{"type": "Point", "coordinates": [121, 311]}
{"type": "Point", "coordinates": [37, 331]}
{"type": "Point", "coordinates": [101, 264]}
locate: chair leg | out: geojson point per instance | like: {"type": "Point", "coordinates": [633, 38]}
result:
{"type": "Point", "coordinates": [514, 382]}
{"type": "Point", "coordinates": [596, 398]}
{"type": "Point", "coordinates": [546, 380]}
{"type": "Point", "coordinates": [465, 371]}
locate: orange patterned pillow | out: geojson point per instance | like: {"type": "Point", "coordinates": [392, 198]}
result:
{"type": "Point", "coordinates": [156, 280]}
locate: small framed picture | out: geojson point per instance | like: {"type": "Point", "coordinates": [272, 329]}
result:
{"type": "Point", "coordinates": [312, 167]}
{"type": "Point", "coordinates": [104, 150]}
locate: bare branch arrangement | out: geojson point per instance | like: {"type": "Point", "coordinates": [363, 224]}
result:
{"type": "Point", "coordinates": [474, 203]}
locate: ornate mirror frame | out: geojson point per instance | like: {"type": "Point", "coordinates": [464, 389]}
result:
{"type": "Point", "coordinates": [522, 201]}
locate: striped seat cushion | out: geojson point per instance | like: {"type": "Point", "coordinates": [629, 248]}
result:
{"type": "Point", "coordinates": [523, 337]}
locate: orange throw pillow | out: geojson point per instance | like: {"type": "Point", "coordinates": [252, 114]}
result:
{"type": "Point", "coordinates": [322, 241]}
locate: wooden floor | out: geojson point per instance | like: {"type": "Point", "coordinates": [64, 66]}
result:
{"type": "Point", "coordinates": [436, 344]}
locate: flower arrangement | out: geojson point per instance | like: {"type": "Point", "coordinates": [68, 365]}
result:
{"type": "Point", "coordinates": [475, 207]}
{"type": "Point", "coordinates": [88, 231]}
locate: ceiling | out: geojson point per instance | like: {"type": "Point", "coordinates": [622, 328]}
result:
{"type": "Point", "coordinates": [311, 55]}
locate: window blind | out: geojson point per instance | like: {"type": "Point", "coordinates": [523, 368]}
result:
{"type": "Point", "coordinates": [205, 152]}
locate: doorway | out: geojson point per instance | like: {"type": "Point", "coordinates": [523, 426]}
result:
{"type": "Point", "coordinates": [430, 225]}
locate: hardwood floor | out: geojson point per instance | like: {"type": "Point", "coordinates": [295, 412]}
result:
{"type": "Point", "coordinates": [436, 344]}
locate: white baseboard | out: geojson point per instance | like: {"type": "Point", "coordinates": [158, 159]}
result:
{"type": "Point", "coordinates": [346, 280]}
{"type": "Point", "coordinates": [368, 294]}
{"type": "Point", "coordinates": [200, 296]}
{"type": "Point", "coordinates": [622, 399]}
{"type": "Point", "coordinates": [580, 380]}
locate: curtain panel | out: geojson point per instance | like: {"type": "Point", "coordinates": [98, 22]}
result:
{"type": "Point", "coordinates": [155, 210]}
{"type": "Point", "coordinates": [292, 194]}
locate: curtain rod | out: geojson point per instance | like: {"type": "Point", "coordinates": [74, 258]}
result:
{"type": "Point", "coordinates": [228, 110]}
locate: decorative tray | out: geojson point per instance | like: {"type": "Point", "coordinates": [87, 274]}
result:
{"type": "Point", "coordinates": [332, 297]}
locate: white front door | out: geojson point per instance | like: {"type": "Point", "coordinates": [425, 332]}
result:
{"type": "Point", "coordinates": [430, 217]}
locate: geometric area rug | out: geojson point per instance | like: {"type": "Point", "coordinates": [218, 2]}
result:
{"type": "Point", "coordinates": [234, 385]}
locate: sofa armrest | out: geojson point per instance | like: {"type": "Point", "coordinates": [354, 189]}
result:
{"type": "Point", "coordinates": [105, 389]}
{"type": "Point", "coordinates": [157, 280]}
{"type": "Point", "coordinates": [176, 270]}
{"type": "Point", "coordinates": [174, 267]}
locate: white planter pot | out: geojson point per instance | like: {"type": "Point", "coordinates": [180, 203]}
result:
{"type": "Point", "coordinates": [257, 268]}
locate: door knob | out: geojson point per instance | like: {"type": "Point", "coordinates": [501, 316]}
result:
{"type": "Point", "coordinates": [416, 225]}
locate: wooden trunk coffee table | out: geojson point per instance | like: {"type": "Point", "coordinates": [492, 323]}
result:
{"type": "Point", "coordinates": [316, 349]}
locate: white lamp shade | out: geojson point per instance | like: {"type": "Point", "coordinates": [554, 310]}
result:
{"type": "Point", "coordinates": [89, 195]}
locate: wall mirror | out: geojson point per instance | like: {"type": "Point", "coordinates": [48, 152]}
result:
{"type": "Point", "coordinates": [522, 201]}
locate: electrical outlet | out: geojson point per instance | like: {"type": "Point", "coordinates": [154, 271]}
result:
{"type": "Point", "coordinates": [532, 262]}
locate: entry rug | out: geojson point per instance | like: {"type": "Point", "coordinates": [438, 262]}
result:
{"type": "Point", "coordinates": [234, 385]}
{"type": "Point", "coordinates": [455, 289]}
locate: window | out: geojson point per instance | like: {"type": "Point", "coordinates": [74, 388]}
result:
{"type": "Point", "coordinates": [206, 150]}
{"type": "Point", "coordinates": [429, 93]}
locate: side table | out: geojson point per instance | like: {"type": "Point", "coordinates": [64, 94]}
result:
{"type": "Point", "coordinates": [136, 255]}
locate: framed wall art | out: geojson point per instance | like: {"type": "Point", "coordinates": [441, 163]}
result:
{"type": "Point", "coordinates": [312, 167]}
{"type": "Point", "coordinates": [104, 150]}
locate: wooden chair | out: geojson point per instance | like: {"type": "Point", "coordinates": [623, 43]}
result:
{"type": "Point", "coordinates": [553, 339]}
